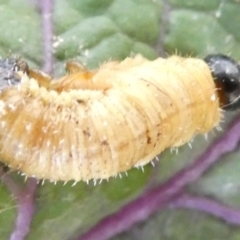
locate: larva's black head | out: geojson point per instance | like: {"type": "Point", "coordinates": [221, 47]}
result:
{"type": "Point", "coordinates": [226, 73]}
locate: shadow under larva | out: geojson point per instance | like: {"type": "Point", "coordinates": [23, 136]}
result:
{"type": "Point", "coordinates": [96, 124]}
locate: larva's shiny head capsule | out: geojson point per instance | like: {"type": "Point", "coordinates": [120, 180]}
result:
{"type": "Point", "coordinates": [226, 74]}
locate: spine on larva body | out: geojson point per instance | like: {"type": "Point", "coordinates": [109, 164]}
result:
{"type": "Point", "coordinates": [94, 125]}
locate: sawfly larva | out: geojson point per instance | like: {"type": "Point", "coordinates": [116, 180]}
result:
{"type": "Point", "coordinates": [96, 124]}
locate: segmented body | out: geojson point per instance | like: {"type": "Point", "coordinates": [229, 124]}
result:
{"type": "Point", "coordinates": [93, 125]}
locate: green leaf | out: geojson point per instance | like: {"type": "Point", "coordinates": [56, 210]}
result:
{"type": "Point", "coordinates": [95, 31]}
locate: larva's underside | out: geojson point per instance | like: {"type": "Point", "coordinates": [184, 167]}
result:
{"type": "Point", "coordinates": [93, 125]}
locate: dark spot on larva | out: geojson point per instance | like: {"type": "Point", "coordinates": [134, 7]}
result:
{"type": "Point", "coordinates": [59, 109]}
{"type": "Point", "coordinates": [148, 137]}
{"type": "Point", "coordinates": [86, 133]}
{"type": "Point", "coordinates": [70, 155]}
{"type": "Point", "coordinates": [80, 101]}
{"type": "Point", "coordinates": [76, 122]}
{"type": "Point", "coordinates": [104, 143]}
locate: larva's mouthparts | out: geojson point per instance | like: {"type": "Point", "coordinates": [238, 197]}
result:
{"type": "Point", "coordinates": [93, 125]}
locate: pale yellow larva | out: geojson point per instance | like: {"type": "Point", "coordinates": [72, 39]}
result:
{"type": "Point", "coordinates": [93, 125]}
